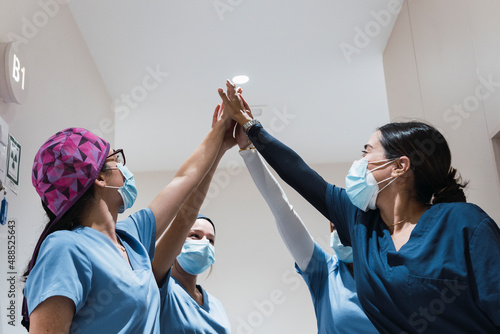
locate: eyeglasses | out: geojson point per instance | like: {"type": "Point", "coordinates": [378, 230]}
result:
{"type": "Point", "coordinates": [118, 155]}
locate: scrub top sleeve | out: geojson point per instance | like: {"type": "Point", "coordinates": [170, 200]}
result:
{"type": "Point", "coordinates": [318, 270]}
{"type": "Point", "coordinates": [485, 261]}
{"type": "Point", "coordinates": [164, 286]}
{"type": "Point", "coordinates": [290, 167]}
{"type": "Point", "coordinates": [142, 226]}
{"type": "Point", "coordinates": [341, 211]}
{"type": "Point", "coordinates": [62, 269]}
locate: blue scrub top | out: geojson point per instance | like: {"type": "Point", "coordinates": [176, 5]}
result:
{"type": "Point", "coordinates": [334, 296]}
{"type": "Point", "coordinates": [180, 313]}
{"type": "Point", "coordinates": [84, 265]}
{"type": "Point", "coordinates": [445, 279]}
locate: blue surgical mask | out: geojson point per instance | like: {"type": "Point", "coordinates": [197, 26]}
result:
{"type": "Point", "coordinates": [128, 191]}
{"type": "Point", "coordinates": [361, 187]}
{"type": "Point", "coordinates": [196, 256]}
{"type": "Point", "coordinates": [344, 253]}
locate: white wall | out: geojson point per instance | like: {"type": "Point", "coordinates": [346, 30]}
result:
{"type": "Point", "coordinates": [254, 274]}
{"type": "Point", "coordinates": [65, 90]}
{"type": "Point", "coordinates": [437, 60]}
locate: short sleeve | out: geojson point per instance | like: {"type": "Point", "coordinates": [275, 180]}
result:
{"type": "Point", "coordinates": [341, 211]}
{"type": "Point", "coordinates": [485, 261]}
{"type": "Point", "coordinates": [142, 226]}
{"type": "Point", "coordinates": [62, 269]}
{"type": "Point", "coordinates": [165, 287]}
{"type": "Point", "coordinates": [318, 269]}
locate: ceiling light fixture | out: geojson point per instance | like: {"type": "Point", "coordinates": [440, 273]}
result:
{"type": "Point", "coordinates": [240, 79]}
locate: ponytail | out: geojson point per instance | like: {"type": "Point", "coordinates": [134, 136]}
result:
{"type": "Point", "coordinates": [452, 191]}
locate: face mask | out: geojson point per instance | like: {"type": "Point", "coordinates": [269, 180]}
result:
{"type": "Point", "coordinates": [196, 256]}
{"type": "Point", "coordinates": [128, 191]}
{"type": "Point", "coordinates": [361, 186]}
{"type": "Point", "coordinates": [344, 253]}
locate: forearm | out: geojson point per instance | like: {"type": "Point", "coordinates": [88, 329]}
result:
{"type": "Point", "coordinates": [203, 158]}
{"type": "Point", "coordinates": [291, 228]}
{"type": "Point", "coordinates": [170, 244]}
{"type": "Point", "coordinates": [166, 205]}
{"type": "Point", "coordinates": [291, 168]}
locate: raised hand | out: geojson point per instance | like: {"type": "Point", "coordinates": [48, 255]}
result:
{"type": "Point", "coordinates": [235, 105]}
{"type": "Point", "coordinates": [215, 117]}
{"type": "Point", "coordinates": [221, 116]}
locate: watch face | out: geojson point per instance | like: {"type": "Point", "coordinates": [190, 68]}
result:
{"type": "Point", "coordinates": [13, 85]}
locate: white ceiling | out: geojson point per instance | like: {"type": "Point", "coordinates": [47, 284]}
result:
{"type": "Point", "coordinates": [315, 100]}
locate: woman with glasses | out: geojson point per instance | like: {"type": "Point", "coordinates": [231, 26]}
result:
{"type": "Point", "coordinates": [90, 273]}
{"type": "Point", "coordinates": [423, 258]}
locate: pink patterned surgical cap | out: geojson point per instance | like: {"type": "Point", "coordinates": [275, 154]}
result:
{"type": "Point", "coordinates": [66, 166]}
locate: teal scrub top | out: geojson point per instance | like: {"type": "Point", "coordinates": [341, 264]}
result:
{"type": "Point", "coordinates": [445, 279]}
{"type": "Point", "coordinates": [333, 291]}
{"type": "Point", "coordinates": [180, 313]}
{"type": "Point", "coordinates": [110, 295]}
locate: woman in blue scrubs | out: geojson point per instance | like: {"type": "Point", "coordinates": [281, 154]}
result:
{"type": "Point", "coordinates": [90, 273]}
{"type": "Point", "coordinates": [185, 306]}
{"type": "Point", "coordinates": [424, 259]}
{"type": "Point", "coordinates": [185, 250]}
{"type": "Point", "coordinates": [329, 277]}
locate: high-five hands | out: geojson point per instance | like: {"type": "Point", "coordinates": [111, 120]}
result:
{"type": "Point", "coordinates": [238, 109]}
{"type": "Point", "coordinates": [234, 103]}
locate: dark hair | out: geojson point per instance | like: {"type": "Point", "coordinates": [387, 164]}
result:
{"type": "Point", "coordinates": [200, 216]}
{"type": "Point", "coordinates": [71, 219]}
{"type": "Point", "coordinates": [430, 160]}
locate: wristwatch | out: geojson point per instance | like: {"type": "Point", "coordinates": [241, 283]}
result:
{"type": "Point", "coordinates": [249, 124]}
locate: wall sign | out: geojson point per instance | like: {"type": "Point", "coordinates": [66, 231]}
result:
{"type": "Point", "coordinates": [13, 73]}
{"type": "Point", "coordinates": [13, 160]}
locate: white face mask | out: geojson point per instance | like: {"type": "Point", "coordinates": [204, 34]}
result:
{"type": "Point", "coordinates": [344, 253]}
{"type": "Point", "coordinates": [361, 187]}
{"type": "Point", "coordinates": [196, 256]}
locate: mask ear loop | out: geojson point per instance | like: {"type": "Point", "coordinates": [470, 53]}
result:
{"type": "Point", "coordinates": [124, 179]}
{"type": "Point", "coordinates": [387, 183]}
{"type": "Point", "coordinates": [377, 161]}
{"type": "Point", "coordinates": [387, 163]}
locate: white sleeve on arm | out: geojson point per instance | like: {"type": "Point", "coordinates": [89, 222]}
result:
{"type": "Point", "coordinates": [291, 228]}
